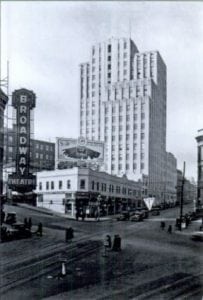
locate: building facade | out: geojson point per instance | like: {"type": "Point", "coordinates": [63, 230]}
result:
{"type": "Point", "coordinates": [123, 103]}
{"type": "Point", "coordinates": [3, 102]}
{"type": "Point", "coordinates": [170, 195]}
{"type": "Point", "coordinates": [86, 191]}
{"type": "Point", "coordinates": [42, 153]}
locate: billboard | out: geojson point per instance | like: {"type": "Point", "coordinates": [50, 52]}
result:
{"type": "Point", "coordinates": [22, 180]}
{"type": "Point", "coordinates": [79, 152]}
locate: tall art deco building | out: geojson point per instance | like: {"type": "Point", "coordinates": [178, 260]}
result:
{"type": "Point", "coordinates": [123, 103]}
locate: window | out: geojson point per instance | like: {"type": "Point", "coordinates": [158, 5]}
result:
{"type": "Point", "coordinates": [125, 45]}
{"type": "Point", "coordinates": [142, 166]}
{"type": "Point", "coordinates": [47, 185]}
{"type": "Point", "coordinates": [135, 117]}
{"type": "Point", "coordinates": [68, 184]}
{"type": "Point", "coordinates": [10, 149]}
{"type": "Point", "coordinates": [128, 107]}
{"type": "Point", "coordinates": [92, 185]}
{"type": "Point", "coordinates": [127, 156]}
{"type": "Point", "coordinates": [135, 126]}
{"type": "Point", "coordinates": [142, 135]}
{"type": "Point", "coordinates": [109, 48]}
{"type": "Point", "coordinates": [142, 125]}
{"type": "Point", "coordinates": [128, 118]}
{"type": "Point", "coordinates": [120, 166]}
{"type": "Point", "coordinates": [127, 167]}
{"type": "Point", "coordinates": [113, 138]}
{"type": "Point", "coordinates": [127, 127]}
{"type": "Point", "coordinates": [60, 184]}
{"type": "Point", "coordinates": [82, 184]}
{"type": "Point", "coordinates": [120, 137]}
{"type": "Point", "coordinates": [52, 185]}
{"type": "Point", "coordinates": [40, 186]}
{"type": "Point", "coordinates": [134, 166]}
{"type": "Point", "coordinates": [113, 119]}
{"type": "Point", "coordinates": [37, 155]}
{"type": "Point", "coordinates": [134, 155]}
{"type": "Point", "coordinates": [127, 137]}
{"type": "Point", "coordinates": [142, 115]}
{"type": "Point", "coordinates": [112, 167]}
{"type": "Point", "coordinates": [97, 186]}
{"type": "Point", "coordinates": [142, 155]}
{"type": "Point", "coordinates": [120, 118]}
{"type": "Point", "coordinates": [135, 136]}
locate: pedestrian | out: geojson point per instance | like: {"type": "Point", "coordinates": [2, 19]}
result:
{"type": "Point", "coordinates": [163, 224]}
{"type": "Point", "coordinates": [108, 238]}
{"type": "Point", "coordinates": [30, 223]}
{"type": "Point", "coordinates": [116, 243]}
{"type": "Point", "coordinates": [83, 216]}
{"type": "Point", "coordinates": [2, 216]}
{"type": "Point", "coordinates": [170, 229]}
{"type": "Point", "coordinates": [40, 229]}
{"type": "Point", "coordinates": [77, 215]}
{"type": "Point", "coordinates": [25, 223]}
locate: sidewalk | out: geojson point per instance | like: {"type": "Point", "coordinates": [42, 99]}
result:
{"type": "Point", "coordinates": [53, 213]}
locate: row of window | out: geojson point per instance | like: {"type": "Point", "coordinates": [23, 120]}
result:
{"type": "Point", "coordinates": [120, 118]}
{"type": "Point", "coordinates": [50, 185]}
{"type": "Point", "coordinates": [128, 92]}
{"type": "Point", "coordinates": [127, 166]}
{"type": "Point", "coordinates": [111, 188]}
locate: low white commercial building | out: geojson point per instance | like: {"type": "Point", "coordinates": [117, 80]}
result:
{"type": "Point", "coordinates": [82, 191]}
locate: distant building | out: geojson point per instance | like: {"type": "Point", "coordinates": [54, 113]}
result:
{"type": "Point", "coordinates": [189, 191]}
{"type": "Point", "coordinates": [42, 153]}
{"type": "Point", "coordinates": [123, 103]}
{"type": "Point", "coordinates": [87, 192]}
{"type": "Point", "coordinates": [170, 195]}
{"type": "Point", "coordinates": [3, 102]}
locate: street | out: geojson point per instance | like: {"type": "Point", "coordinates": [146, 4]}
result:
{"type": "Point", "coordinates": [153, 264]}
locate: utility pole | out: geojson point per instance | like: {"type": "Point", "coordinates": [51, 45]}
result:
{"type": "Point", "coordinates": [181, 199]}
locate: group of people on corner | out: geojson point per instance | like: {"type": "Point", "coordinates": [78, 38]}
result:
{"type": "Point", "coordinates": [28, 225]}
{"type": "Point", "coordinates": [115, 246]}
{"type": "Point", "coordinates": [163, 225]}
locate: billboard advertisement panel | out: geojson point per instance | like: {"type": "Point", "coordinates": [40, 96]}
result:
{"type": "Point", "coordinates": [79, 152]}
{"type": "Point", "coordinates": [22, 181]}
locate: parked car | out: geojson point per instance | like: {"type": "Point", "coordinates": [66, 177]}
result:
{"type": "Point", "coordinates": [144, 212]}
{"type": "Point", "coordinates": [124, 216]}
{"type": "Point", "coordinates": [15, 231]}
{"type": "Point", "coordinates": [10, 218]}
{"type": "Point", "coordinates": [137, 217]}
{"type": "Point", "coordinates": [197, 236]}
{"type": "Point", "coordinates": [155, 212]}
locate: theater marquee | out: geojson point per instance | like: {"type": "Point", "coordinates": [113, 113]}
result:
{"type": "Point", "coordinates": [22, 180]}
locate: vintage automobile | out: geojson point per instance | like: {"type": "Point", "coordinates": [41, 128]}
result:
{"type": "Point", "coordinates": [125, 216]}
{"type": "Point", "coordinates": [197, 236]}
{"type": "Point", "coordinates": [137, 217]}
{"type": "Point", "coordinates": [15, 231]}
{"type": "Point", "coordinates": [155, 212]}
{"type": "Point", "coordinates": [10, 218]}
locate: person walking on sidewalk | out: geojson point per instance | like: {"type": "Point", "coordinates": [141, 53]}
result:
{"type": "Point", "coordinates": [170, 229]}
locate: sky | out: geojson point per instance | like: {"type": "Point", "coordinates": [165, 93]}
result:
{"type": "Point", "coordinates": [45, 41]}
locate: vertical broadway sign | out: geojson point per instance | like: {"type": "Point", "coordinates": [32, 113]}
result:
{"type": "Point", "coordinates": [22, 180]}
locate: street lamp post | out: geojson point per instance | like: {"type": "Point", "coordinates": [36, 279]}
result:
{"type": "Point", "coordinates": [181, 199]}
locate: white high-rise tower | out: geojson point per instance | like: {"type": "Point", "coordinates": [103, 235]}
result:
{"type": "Point", "coordinates": [123, 103]}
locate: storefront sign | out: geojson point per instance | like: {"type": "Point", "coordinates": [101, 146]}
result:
{"type": "Point", "coordinates": [23, 101]}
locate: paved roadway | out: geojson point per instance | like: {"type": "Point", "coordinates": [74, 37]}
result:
{"type": "Point", "coordinates": [152, 264]}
